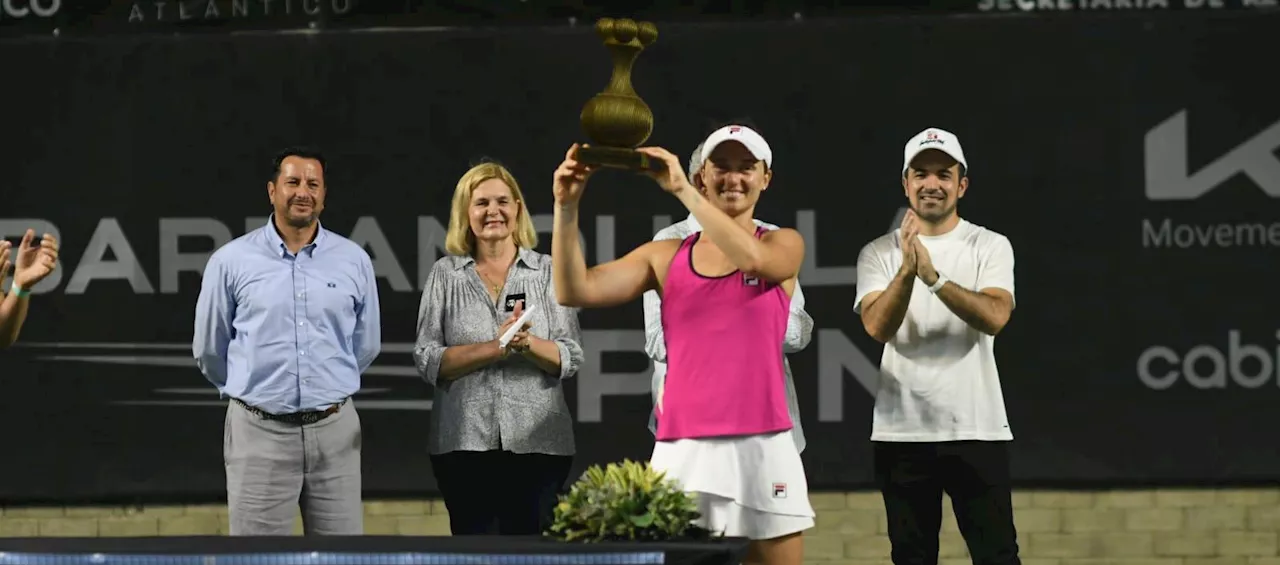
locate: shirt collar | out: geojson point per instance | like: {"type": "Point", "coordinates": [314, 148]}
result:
{"type": "Point", "coordinates": [693, 224]}
{"type": "Point", "coordinates": [277, 243]}
{"type": "Point", "coordinates": [526, 258]}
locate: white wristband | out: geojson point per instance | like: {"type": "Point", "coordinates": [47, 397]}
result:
{"type": "Point", "coordinates": [937, 285]}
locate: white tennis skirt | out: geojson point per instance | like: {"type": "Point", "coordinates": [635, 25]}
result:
{"type": "Point", "coordinates": [751, 486]}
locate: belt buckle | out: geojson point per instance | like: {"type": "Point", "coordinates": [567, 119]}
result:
{"type": "Point", "coordinates": [313, 416]}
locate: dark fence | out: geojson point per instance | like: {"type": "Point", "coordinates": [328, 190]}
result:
{"type": "Point", "coordinates": [1131, 160]}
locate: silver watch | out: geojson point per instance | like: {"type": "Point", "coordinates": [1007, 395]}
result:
{"type": "Point", "coordinates": [937, 285]}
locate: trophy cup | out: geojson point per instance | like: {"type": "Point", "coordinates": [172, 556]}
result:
{"type": "Point", "coordinates": [617, 120]}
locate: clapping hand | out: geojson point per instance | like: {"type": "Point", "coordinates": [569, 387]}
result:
{"type": "Point", "coordinates": [32, 262]}
{"type": "Point", "coordinates": [4, 259]}
{"type": "Point", "coordinates": [924, 264]}
{"type": "Point", "coordinates": [907, 241]}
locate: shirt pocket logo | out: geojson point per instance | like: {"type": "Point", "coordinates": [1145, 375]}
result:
{"type": "Point", "coordinates": [337, 298]}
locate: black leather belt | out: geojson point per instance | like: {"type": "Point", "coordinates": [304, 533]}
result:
{"type": "Point", "coordinates": [308, 417]}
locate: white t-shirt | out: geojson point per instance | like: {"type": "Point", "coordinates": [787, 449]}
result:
{"type": "Point", "coordinates": [938, 376]}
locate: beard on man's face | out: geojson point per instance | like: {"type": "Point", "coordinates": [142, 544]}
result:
{"type": "Point", "coordinates": [300, 218]}
{"type": "Point", "coordinates": [933, 204]}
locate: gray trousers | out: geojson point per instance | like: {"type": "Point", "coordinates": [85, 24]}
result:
{"type": "Point", "coordinates": [275, 468]}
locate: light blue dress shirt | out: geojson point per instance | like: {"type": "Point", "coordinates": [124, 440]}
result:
{"type": "Point", "coordinates": [287, 333]}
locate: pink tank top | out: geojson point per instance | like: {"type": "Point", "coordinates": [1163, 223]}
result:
{"type": "Point", "coordinates": [724, 353]}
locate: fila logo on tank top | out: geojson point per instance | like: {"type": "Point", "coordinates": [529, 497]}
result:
{"type": "Point", "coordinates": [724, 352]}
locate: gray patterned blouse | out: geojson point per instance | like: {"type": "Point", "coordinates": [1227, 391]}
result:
{"type": "Point", "coordinates": [510, 404]}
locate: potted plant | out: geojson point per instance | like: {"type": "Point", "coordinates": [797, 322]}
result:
{"type": "Point", "coordinates": [627, 502]}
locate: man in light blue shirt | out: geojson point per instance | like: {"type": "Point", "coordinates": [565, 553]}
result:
{"type": "Point", "coordinates": [286, 323]}
{"type": "Point", "coordinates": [799, 324]}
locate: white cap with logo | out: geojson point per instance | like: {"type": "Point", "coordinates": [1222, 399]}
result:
{"type": "Point", "coordinates": [748, 137]}
{"type": "Point", "coordinates": [933, 138]}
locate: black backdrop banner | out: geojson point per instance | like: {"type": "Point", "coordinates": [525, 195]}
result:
{"type": "Point", "coordinates": [98, 17]}
{"type": "Point", "coordinates": [66, 18]}
{"type": "Point", "coordinates": [1131, 161]}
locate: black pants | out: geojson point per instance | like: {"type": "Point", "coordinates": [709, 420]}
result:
{"type": "Point", "coordinates": [500, 492]}
{"type": "Point", "coordinates": [975, 474]}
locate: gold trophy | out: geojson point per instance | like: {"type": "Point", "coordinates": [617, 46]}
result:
{"type": "Point", "coordinates": [617, 120]}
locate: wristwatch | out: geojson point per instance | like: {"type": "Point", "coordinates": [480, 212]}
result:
{"type": "Point", "coordinates": [937, 285]}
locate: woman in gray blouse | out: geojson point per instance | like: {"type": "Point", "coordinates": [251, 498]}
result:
{"type": "Point", "coordinates": [501, 437]}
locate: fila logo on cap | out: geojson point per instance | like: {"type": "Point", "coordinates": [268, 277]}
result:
{"type": "Point", "coordinates": [748, 137]}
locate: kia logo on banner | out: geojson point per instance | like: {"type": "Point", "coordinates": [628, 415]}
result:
{"type": "Point", "coordinates": [1170, 178]}
{"type": "Point", "coordinates": [23, 8]}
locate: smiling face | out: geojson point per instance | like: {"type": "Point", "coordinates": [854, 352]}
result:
{"type": "Point", "coordinates": [297, 194]}
{"type": "Point", "coordinates": [934, 184]}
{"type": "Point", "coordinates": [732, 178]}
{"type": "Point", "coordinates": [493, 210]}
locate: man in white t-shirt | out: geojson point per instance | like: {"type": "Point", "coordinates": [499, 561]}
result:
{"type": "Point", "coordinates": [799, 324]}
{"type": "Point", "coordinates": [936, 292]}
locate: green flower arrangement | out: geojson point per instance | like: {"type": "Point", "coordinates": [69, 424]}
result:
{"type": "Point", "coordinates": [626, 502]}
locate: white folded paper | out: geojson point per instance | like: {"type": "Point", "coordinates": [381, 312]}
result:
{"type": "Point", "coordinates": [511, 331]}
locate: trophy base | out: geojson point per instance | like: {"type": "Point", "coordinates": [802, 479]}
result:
{"type": "Point", "coordinates": [617, 158]}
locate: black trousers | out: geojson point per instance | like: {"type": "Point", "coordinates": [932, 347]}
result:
{"type": "Point", "coordinates": [975, 474]}
{"type": "Point", "coordinates": [500, 492]}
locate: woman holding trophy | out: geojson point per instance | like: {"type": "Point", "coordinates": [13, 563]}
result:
{"type": "Point", "coordinates": [723, 423]}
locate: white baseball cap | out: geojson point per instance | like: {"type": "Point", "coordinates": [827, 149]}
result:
{"type": "Point", "coordinates": [748, 137]}
{"type": "Point", "coordinates": [695, 161]}
{"type": "Point", "coordinates": [933, 138]}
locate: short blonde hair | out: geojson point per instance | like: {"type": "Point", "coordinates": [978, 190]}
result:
{"type": "Point", "coordinates": [460, 240]}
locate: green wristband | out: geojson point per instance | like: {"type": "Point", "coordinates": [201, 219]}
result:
{"type": "Point", "coordinates": [18, 290]}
